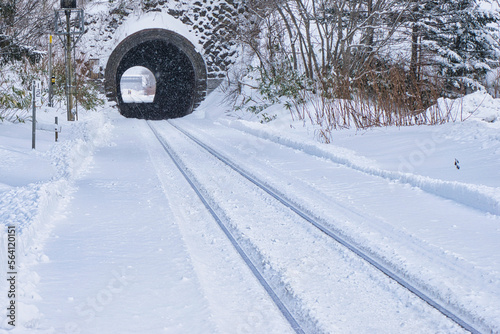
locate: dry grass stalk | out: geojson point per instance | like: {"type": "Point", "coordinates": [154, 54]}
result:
{"type": "Point", "coordinates": [380, 97]}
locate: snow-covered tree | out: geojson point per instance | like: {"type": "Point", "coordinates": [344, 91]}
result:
{"type": "Point", "coordinates": [23, 23]}
{"type": "Point", "coordinates": [457, 36]}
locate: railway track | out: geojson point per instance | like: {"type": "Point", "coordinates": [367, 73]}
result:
{"type": "Point", "coordinates": [296, 322]}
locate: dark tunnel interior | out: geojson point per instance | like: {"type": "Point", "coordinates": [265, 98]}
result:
{"type": "Point", "coordinates": [175, 80]}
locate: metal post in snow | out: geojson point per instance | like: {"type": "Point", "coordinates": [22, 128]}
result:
{"type": "Point", "coordinates": [75, 92]}
{"type": "Point", "coordinates": [57, 128]}
{"type": "Point", "coordinates": [33, 127]}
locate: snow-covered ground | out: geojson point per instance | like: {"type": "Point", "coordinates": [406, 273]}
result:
{"type": "Point", "coordinates": [111, 238]}
{"type": "Point", "coordinates": [134, 96]}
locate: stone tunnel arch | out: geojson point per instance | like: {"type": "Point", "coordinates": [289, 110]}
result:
{"type": "Point", "coordinates": [180, 72]}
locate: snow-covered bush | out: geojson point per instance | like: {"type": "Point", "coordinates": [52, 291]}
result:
{"type": "Point", "coordinates": [277, 84]}
{"type": "Point", "coordinates": [16, 87]}
{"type": "Point", "coordinates": [87, 92]}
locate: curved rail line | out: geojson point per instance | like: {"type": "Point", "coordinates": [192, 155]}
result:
{"type": "Point", "coordinates": [334, 235]}
{"type": "Point", "coordinates": [274, 296]}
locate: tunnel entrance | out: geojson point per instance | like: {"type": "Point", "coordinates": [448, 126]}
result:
{"type": "Point", "coordinates": [174, 76]}
{"type": "Point", "coordinates": [179, 72]}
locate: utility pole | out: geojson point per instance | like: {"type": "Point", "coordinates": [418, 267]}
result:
{"type": "Point", "coordinates": [69, 88]}
{"type": "Point", "coordinates": [51, 80]}
{"type": "Point", "coordinates": [69, 26]}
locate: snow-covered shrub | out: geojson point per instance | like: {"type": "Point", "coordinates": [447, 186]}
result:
{"type": "Point", "coordinates": [15, 89]}
{"type": "Point", "coordinates": [278, 84]}
{"type": "Point", "coordinates": [16, 86]}
{"type": "Point", "coordinates": [87, 92]}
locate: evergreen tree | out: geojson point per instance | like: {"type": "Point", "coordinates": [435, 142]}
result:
{"type": "Point", "coordinates": [460, 37]}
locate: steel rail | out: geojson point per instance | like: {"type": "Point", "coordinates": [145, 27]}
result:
{"type": "Point", "coordinates": [270, 291]}
{"type": "Point", "coordinates": [335, 235]}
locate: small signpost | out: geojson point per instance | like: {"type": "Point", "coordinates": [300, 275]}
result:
{"type": "Point", "coordinates": [38, 92]}
{"type": "Point", "coordinates": [37, 101]}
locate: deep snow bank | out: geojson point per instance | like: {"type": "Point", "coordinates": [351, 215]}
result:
{"type": "Point", "coordinates": [31, 197]}
{"type": "Point", "coordinates": [416, 161]}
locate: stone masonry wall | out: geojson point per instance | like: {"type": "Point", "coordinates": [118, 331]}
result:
{"type": "Point", "coordinates": [212, 21]}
